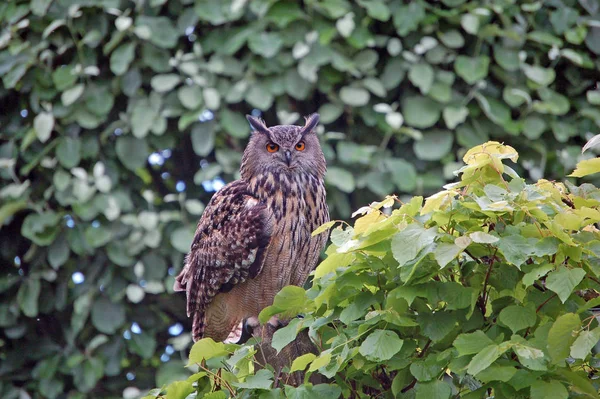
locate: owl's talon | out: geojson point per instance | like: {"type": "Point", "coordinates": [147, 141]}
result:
{"type": "Point", "coordinates": [235, 336]}
{"type": "Point", "coordinates": [250, 324]}
{"type": "Point", "coordinates": [275, 323]}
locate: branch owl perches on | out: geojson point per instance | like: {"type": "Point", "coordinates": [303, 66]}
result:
{"type": "Point", "coordinates": [254, 236]}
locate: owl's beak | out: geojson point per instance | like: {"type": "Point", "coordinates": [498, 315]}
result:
{"type": "Point", "coordinates": [288, 157]}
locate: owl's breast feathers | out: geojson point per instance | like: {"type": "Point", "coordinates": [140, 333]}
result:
{"type": "Point", "coordinates": [265, 223]}
{"type": "Point", "coordinates": [228, 247]}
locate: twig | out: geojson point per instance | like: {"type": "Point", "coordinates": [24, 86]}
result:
{"type": "Point", "coordinates": [485, 282]}
{"type": "Point", "coordinates": [414, 381]}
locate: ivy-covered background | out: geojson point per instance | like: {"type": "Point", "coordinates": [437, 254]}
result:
{"type": "Point", "coordinates": [119, 119]}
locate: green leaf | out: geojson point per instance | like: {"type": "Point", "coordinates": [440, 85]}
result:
{"type": "Point", "coordinates": [43, 124]}
{"type": "Point", "coordinates": [164, 83]}
{"type": "Point", "coordinates": [497, 373]}
{"type": "Point", "coordinates": [515, 97]}
{"type": "Point", "coordinates": [162, 32]}
{"type": "Point", "coordinates": [132, 152]}
{"type": "Point", "coordinates": [537, 272]}
{"type": "Point", "coordinates": [340, 178]}
{"type": "Point", "coordinates": [263, 379]}
{"type": "Point", "coordinates": [376, 9]}
{"type": "Point", "coordinates": [97, 236]}
{"type": "Point", "coordinates": [290, 301]}
{"type": "Point", "coordinates": [203, 138]}
{"type": "Point", "coordinates": [41, 228]}
{"type": "Point", "coordinates": [28, 295]}
{"type": "Point", "coordinates": [483, 238]}
{"type": "Point", "coordinates": [561, 337]}
{"type": "Point", "coordinates": [470, 23]}
{"type": "Point", "coordinates": [234, 123]}
{"type": "Point", "coordinates": [407, 244]}
{"type": "Point", "coordinates": [283, 336]}
{"type": "Point", "coordinates": [585, 342]}
{"type": "Point", "coordinates": [142, 118]}
{"type": "Point", "coordinates": [452, 39]}
{"type": "Point", "coordinates": [421, 112]}
{"type": "Point", "coordinates": [484, 359]}
{"type": "Point", "coordinates": [121, 58]}
{"type": "Point", "coordinates": [472, 69]}
{"type": "Point", "coordinates": [58, 253]}
{"type": "Point", "coordinates": [436, 326]}
{"type": "Point", "coordinates": [539, 75]}
{"type": "Point", "coordinates": [563, 18]}
{"type": "Point", "coordinates": [142, 344]}
{"type": "Point", "coordinates": [421, 75]}
{"type": "Point", "coordinates": [321, 361]}
{"type": "Point", "coordinates": [107, 316]}
{"type": "Point", "coordinates": [552, 102]}
{"type": "Point", "coordinates": [308, 391]}
{"type": "Point", "coordinates": [516, 249]}
{"type": "Point", "coordinates": [446, 252]}
{"type": "Point", "coordinates": [517, 317]}
{"type": "Point", "coordinates": [68, 152]}
{"type": "Point", "coordinates": [563, 281]}
{"type": "Point", "coordinates": [468, 344]}
{"type": "Point", "coordinates": [179, 390]}
{"type": "Point", "coordinates": [380, 345]}
{"type": "Point", "coordinates": [455, 116]}
{"type": "Point", "coordinates": [548, 390]}
{"type": "Point", "coordinates": [354, 96]}
{"type": "Point", "coordinates": [495, 110]}
{"type": "Point", "coordinates": [433, 389]}
{"type": "Point", "coordinates": [71, 95]}
{"type": "Point", "coordinates": [534, 127]}
{"type": "Point", "coordinates": [181, 239]}
{"type": "Point", "coordinates": [190, 96]}
{"type": "Point", "coordinates": [265, 44]}
{"type": "Point", "coordinates": [330, 112]}
{"type": "Point", "coordinates": [64, 77]}
{"type": "Point", "coordinates": [434, 145]}
{"type": "Point", "coordinates": [593, 97]}
{"type": "Point", "coordinates": [407, 17]}
{"type": "Point", "coordinates": [206, 349]}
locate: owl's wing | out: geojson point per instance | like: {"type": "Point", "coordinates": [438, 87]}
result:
{"type": "Point", "coordinates": [228, 248]}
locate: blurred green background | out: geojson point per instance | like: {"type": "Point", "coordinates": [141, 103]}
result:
{"type": "Point", "coordinates": [119, 119]}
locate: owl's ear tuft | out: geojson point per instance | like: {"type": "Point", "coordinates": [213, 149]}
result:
{"type": "Point", "coordinates": [312, 121]}
{"type": "Point", "coordinates": [258, 124]}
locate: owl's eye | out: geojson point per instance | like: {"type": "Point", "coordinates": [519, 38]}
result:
{"type": "Point", "coordinates": [300, 146]}
{"type": "Point", "coordinates": [272, 147]}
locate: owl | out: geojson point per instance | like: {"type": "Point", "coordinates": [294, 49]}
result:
{"type": "Point", "coordinates": [254, 236]}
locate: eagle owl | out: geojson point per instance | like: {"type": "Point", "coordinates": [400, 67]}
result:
{"type": "Point", "coordinates": [254, 236]}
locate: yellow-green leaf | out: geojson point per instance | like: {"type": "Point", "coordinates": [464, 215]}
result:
{"type": "Point", "coordinates": [586, 167]}
{"type": "Point", "coordinates": [301, 362]}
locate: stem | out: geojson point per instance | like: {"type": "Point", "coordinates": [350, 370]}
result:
{"type": "Point", "coordinates": [593, 279]}
{"type": "Point", "coordinates": [484, 297]}
{"type": "Point", "coordinates": [545, 302]}
{"type": "Point", "coordinates": [414, 381]}
{"type": "Point", "coordinates": [472, 257]}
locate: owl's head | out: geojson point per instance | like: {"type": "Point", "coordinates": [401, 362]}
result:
{"type": "Point", "coordinates": [284, 148]}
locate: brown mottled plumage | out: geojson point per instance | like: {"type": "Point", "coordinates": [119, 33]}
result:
{"type": "Point", "coordinates": [254, 237]}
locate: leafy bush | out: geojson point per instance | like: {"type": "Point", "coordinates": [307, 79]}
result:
{"type": "Point", "coordinates": [482, 290]}
{"type": "Point", "coordinates": [119, 119]}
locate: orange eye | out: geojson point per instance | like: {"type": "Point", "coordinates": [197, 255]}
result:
{"type": "Point", "coordinates": [271, 147]}
{"type": "Point", "coordinates": [300, 146]}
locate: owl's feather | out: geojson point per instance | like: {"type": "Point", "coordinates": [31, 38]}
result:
{"type": "Point", "coordinates": [228, 248]}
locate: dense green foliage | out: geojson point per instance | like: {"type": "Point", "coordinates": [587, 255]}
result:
{"type": "Point", "coordinates": [119, 119]}
{"type": "Point", "coordinates": [482, 290]}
